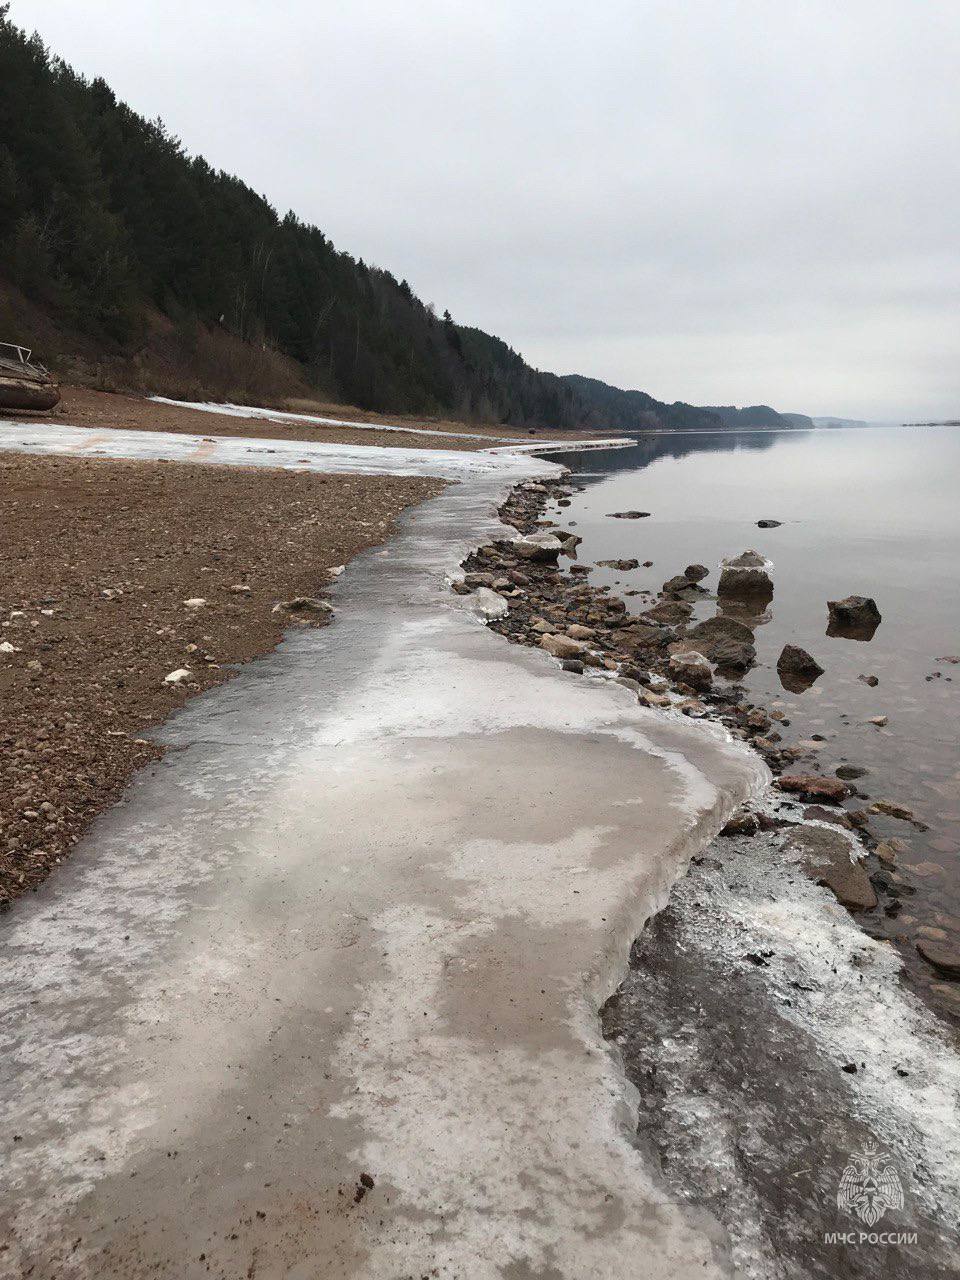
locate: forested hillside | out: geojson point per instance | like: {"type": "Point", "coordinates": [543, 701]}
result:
{"type": "Point", "coordinates": [118, 239]}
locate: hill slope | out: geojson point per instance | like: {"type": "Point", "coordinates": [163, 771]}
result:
{"type": "Point", "coordinates": [123, 249]}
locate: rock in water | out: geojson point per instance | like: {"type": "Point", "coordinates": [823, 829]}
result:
{"type": "Point", "coordinates": [854, 618]}
{"type": "Point", "coordinates": [628, 515]}
{"type": "Point", "coordinates": [769, 524]}
{"type": "Point", "coordinates": [826, 856]}
{"type": "Point", "coordinates": [746, 577]}
{"type": "Point", "coordinates": [696, 572]}
{"type": "Point", "coordinates": [797, 669]}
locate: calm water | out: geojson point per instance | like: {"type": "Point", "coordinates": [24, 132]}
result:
{"type": "Point", "coordinates": [872, 512]}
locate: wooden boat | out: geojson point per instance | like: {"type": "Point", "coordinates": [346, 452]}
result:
{"type": "Point", "coordinates": [24, 382]}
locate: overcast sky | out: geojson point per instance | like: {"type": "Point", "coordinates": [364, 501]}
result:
{"type": "Point", "coordinates": [720, 201]}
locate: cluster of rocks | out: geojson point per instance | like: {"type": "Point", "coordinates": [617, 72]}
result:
{"type": "Point", "coordinates": [672, 661]}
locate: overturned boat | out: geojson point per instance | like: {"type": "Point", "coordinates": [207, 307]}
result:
{"type": "Point", "coordinates": [24, 382]}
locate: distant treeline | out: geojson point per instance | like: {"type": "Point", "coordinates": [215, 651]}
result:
{"type": "Point", "coordinates": [105, 222]}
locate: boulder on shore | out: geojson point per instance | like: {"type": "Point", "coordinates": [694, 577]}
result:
{"type": "Point", "coordinates": [725, 642]}
{"type": "Point", "coordinates": [692, 668]}
{"type": "Point", "coordinates": [797, 669]}
{"type": "Point", "coordinates": [853, 618]}
{"type": "Point", "coordinates": [826, 856]}
{"type": "Point", "coordinates": [562, 646]}
{"type": "Point", "coordinates": [813, 786]}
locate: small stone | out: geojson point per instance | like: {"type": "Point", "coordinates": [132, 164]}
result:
{"type": "Point", "coordinates": [180, 676]}
{"type": "Point", "coordinates": [572, 664]}
{"type": "Point", "coordinates": [769, 524]}
{"type": "Point", "coordinates": [195, 602]}
{"type": "Point", "coordinates": [578, 632]}
{"type": "Point", "coordinates": [489, 604]}
{"type": "Point", "coordinates": [872, 681]}
{"type": "Point", "coordinates": [240, 589]}
{"type": "Point", "coordinates": [628, 515]}
{"type": "Point", "coordinates": [879, 721]}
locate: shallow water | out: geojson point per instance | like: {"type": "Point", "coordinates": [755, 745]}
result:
{"type": "Point", "coordinates": [872, 512]}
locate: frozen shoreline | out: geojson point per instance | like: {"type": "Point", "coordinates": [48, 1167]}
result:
{"type": "Point", "coordinates": [438, 850]}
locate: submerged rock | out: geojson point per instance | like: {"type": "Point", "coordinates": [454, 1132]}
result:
{"type": "Point", "coordinates": [853, 618]}
{"type": "Point", "coordinates": [797, 669]}
{"type": "Point", "coordinates": [628, 515]}
{"type": "Point", "coordinates": [769, 524]}
{"type": "Point", "coordinates": [623, 565]}
{"type": "Point", "coordinates": [941, 955]}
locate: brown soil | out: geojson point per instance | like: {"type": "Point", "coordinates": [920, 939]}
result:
{"type": "Point", "coordinates": [83, 407]}
{"type": "Point", "coordinates": [97, 559]}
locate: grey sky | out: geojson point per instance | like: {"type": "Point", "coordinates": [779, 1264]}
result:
{"type": "Point", "coordinates": [722, 201]}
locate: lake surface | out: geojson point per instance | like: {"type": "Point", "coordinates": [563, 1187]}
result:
{"type": "Point", "coordinates": [872, 512]}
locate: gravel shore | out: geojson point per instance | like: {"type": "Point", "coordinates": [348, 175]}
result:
{"type": "Point", "coordinates": [98, 559]}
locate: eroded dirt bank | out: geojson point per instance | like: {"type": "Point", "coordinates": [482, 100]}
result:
{"type": "Point", "coordinates": [97, 560]}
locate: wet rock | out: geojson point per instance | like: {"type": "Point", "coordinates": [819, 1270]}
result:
{"type": "Point", "coordinates": [769, 524]}
{"type": "Point", "coordinates": [460, 588]}
{"type": "Point", "coordinates": [572, 664]}
{"type": "Point", "coordinates": [563, 646]}
{"type": "Point", "coordinates": [944, 957]}
{"type": "Point", "coordinates": [725, 642]}
{"type": "Point", "coordinates": [887, 851]}
{"type": "Point", "coordinates": [681, 585]}
{"type": "Point", "coordinates": [628, 515]}
{"type": "Point", "coordinates": [696, 572]}
{"type": "Point", "coordinates": [797, 669]}
{"type": "Point", "coordinates": [880, 721]}
{"type": "Point", "coordinates": [692, 668]}
{"type": "Point", "coordinates": [813, 786]}
{"type": "Point", "coordinates": [827, 857]}
{"type": "Point", "coordinates": [624, 566]}
{"type": "Point", "coordinates": [872, 681]}
{"type": "Point", "coordinates": [853, 618]}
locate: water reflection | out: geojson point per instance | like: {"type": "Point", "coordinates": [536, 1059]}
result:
{"type": "Point", "coordinates": [648, 448]}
